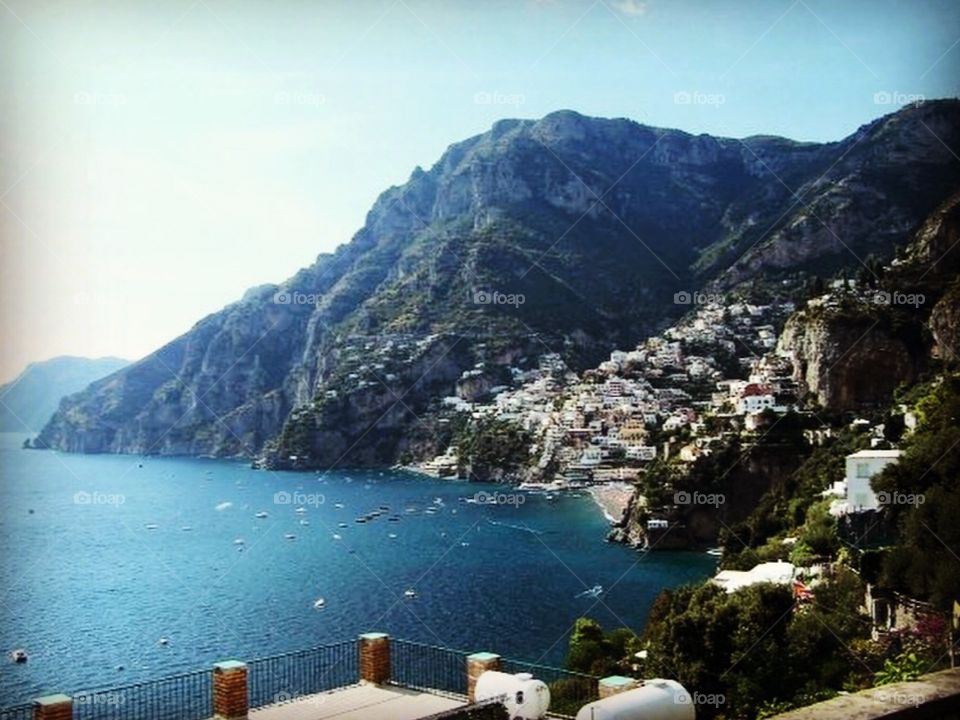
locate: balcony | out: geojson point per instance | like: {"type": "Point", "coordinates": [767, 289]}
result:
{"type": "Point", "coordinates": [372, 676]}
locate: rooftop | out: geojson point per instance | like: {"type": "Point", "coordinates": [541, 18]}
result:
{"type": "Point", "coordinates": [360, 702]}
{"type": "Point", "coordinates": [875, 454]}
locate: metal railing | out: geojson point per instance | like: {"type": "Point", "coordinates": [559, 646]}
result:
{"type": "Point", "coordinates": [296, 676]}
{"type": "Point", "coordinates": [437, 670]}
{"type": "Point", "coordinates": [188, 696]}
{"type": "Point", "coordinates": [569, 691]}
{"type": "Point", "coordinates": [17, 712]}
{"type": "Point", "coordinates": [292, 676]}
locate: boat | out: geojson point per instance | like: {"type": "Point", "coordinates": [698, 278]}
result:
{"type": "Point", "coordinates": [393, 518]}
{"type": "Point", "coordinates": [290, 536]}
{"type": "Point", "coordinates": [304, 522]}
{"type": "Point", "coordinates": [338, 506]}
{"type": "Point", "coordinates": [337, 537]}
{"type": "Point", "coordinates": [163, 641]}
{"type": "Point", "coordinates": [319, 603]}
{"type": "Point", "coordinates": [715, 552]}
{"type": "Point", "coordinates": [360, 520]}
{"type": "Point", "coordinates": [19, 655]}
{"type": "Point", "coordinates": [261, 515]}
{"type": "Point", "coordinates": [239, 541]}
{"type": "Point", "coordinates": [300, 510]}
{"type": "Point", "coordinates": [151, 526]}
{"type": "Point", "coordinates": [392, 536]}
{"type": "Point", "coordinates": [186, 528]}
{"type": "Point", "coordinates": [595, 591]}
{"type": "Point", "coordinates": [410, 593]}
{"type": "Point", "coordinates": [342, 525]}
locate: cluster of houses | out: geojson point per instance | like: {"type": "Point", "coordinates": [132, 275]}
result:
{"type": "Point", "coordinates": [649, 402]}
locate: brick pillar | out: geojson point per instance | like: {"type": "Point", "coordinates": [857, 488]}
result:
{"type": "Point", "coordinates": [615, 684]}
{"type": "Point", "coordinates": [53, 707]}
{"type": "Point", "coordinates": [477, 664]}
{"type": "Point", "coordinates": [230, 690]}
{"type": "Point", "coordinates": [374, 650]}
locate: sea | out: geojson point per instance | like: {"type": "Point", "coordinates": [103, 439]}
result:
{"type": "Point", "coordinates": [118, 569]}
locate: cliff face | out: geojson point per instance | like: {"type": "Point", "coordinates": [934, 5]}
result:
{"type": "Point", "coordinates": [852, 348]}
{"type": "Point", "coordinates": [846, 357]}
{"type": "Point", "coordinates": [568, 234]}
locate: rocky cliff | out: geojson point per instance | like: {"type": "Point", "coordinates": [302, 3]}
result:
{"type": "Point", "coordinates": [567, 233]}
{"type": "Point", "coordinates": [853, 346]}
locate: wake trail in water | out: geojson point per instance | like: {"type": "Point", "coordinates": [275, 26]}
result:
{"type": "Point", "coordinates": [523, 528]}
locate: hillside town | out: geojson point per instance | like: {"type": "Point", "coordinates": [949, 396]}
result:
{"type": "Point", "coordinates": [674, 395]}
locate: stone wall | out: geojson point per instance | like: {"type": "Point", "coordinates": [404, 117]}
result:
{"type": "Point", "coordinates": [931, 697]}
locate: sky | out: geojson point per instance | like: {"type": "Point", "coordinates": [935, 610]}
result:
{"type": "Point", "coordinates": [159, 158]}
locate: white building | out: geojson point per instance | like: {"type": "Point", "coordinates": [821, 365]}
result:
{"type": "Point", "coordinates": [779, 573]}
{"type": "Point", "coordinates": [861, 467]}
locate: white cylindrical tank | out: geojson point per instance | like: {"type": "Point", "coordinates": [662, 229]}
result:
{"type": "Point", "coordinates": [525, 697]}
{"type": "Point", "coordinates": [654, 700]}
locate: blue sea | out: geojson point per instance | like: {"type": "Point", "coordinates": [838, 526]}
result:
{"type": "Point", "coordinates": [102, 556]}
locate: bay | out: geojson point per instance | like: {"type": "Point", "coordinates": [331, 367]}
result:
{"type": "Point", "coordinates": [161, 565]}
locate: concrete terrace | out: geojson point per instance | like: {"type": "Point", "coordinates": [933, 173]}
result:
{"type": "Point", "coordinates": [359, 702]}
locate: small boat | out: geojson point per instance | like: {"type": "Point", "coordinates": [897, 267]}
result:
{"type": "Point", "coordinates": [393, 518]}
{"type": "Point", "coordinates": [410, 593]}
{"type": "Point", "coordinates": [342, 525]}
{"type": "Point", "coordinates": [239, 541]}
{"type": "Point", "coordinates": [304, 522]}
{"type": "Point", "coordinates": [319, 603]}
{"type": "Point", "coordinates": [464, 544]}
{"type": "Point", "coordinates": [290, 536]}
{"type": "Point", "coordinates": [300, 510]}
{"type": "Point", "coordinates": [261, 515]}
{"type": "Point", "coordinates": [163, 641]}
{"type": "Point", "coordinates": [151, 526]}
{"type": "Point", "coordinates": [595, 591]}
{"type": "Point", "coordinates": [392, 536]}
{"type": "Point", "coordinates": [186, 528]}
{"type": "Point", "coordinates": [19, 655]}
{"type": "Point", "coordinates": [338, 506]}
{"type": "Point", "coordinates": [337, 537]}
{"type": "Point", "coordinates": [715, 552]}
{"type": "Point", "coordinates": [360, 520]}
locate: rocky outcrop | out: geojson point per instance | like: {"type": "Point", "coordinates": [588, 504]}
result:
{"type": "Point", "coordinates": [847, 357]}
{"type": "Point", "coordinates": [567, 233]}
{"type": "Point", "coordinates": [945, 326]}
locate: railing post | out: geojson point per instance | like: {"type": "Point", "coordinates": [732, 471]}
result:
{"type": "Point", "coordinates": [477, 664]}
{"type": "Point", "coordinates": [53, 707]}
{"type": "Point", "coordinates": [374, 651]}
{"type": "Point", "coordinates": [230, 690]}
{"type": "Point", "coordinates": [614, 684]}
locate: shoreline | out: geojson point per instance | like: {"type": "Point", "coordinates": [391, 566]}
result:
{"type": "Point", "coordinates": [612, 499]}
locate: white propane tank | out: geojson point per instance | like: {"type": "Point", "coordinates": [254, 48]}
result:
{"type": "Point", "coordinates": [524, 697]}
{"type": "Point", "coordinates": [654, 700]}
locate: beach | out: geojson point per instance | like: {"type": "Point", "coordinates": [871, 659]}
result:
{"type": "Point", "coordinates": [612, 499]}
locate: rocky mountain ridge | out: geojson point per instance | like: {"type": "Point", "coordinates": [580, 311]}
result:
{"type": "Point", "coordinates": [568, 234]}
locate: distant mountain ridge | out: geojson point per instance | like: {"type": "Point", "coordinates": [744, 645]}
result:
{"type": "Point", "coordinates": [28, 401]}
{"type": "Point", "coordinates": [594, 223]}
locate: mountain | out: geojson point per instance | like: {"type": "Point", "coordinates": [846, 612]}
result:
{"type": "Point", "coordinates": [566, 234]}
{"type": "Point", "coordinates": [28, 402]}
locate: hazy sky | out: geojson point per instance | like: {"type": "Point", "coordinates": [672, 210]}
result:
{"type": "Point", "coordinates": [158, 158]}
